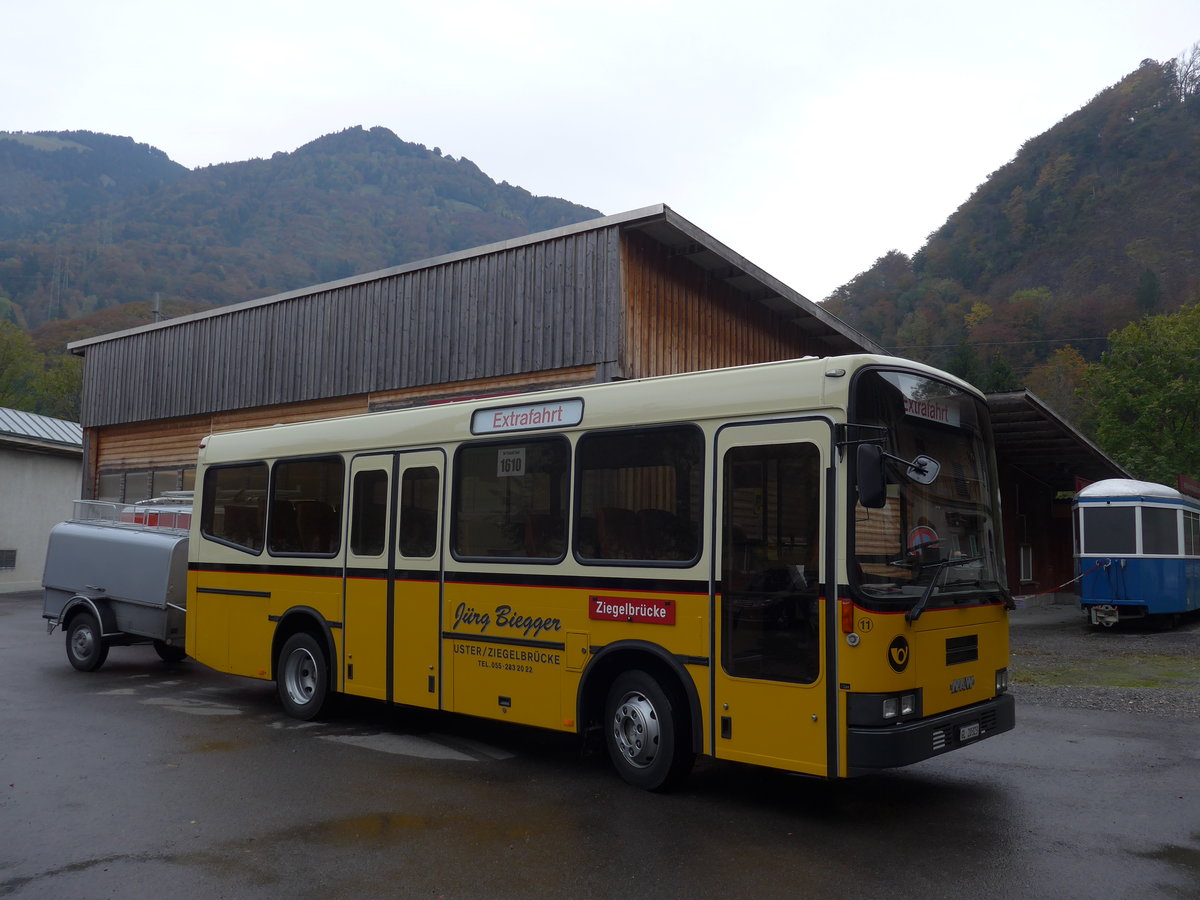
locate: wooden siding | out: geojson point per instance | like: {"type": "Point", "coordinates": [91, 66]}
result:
{"type": "Point", "coordinates": [548, 305]}
{"type": "Point", "coordinates": [677, 320]}
{"type": "Point", "coordinates": [482, 387]}
{"type": "Point", "coordinates": [173, 443]}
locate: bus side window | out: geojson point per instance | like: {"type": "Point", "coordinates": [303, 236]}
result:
{"type": "Point", "coordinates": [420, 498]}
{"type": "Point", "coordinates": [368, 523]}
{"type": "Point", "coordinates": [771, 565]}
{"type": "Point", "coordinates": [305, 509]}
{"type": "Point", "coordinates": [640, 495]}
{"type": "Point", "coordinates": [510, 499]}
{"type": "Point", "coordinates": [232, 510]}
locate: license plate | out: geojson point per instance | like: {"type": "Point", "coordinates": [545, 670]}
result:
{"type": "Point", "coordinates": [968, 732]}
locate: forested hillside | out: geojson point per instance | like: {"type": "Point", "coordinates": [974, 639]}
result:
{"type": "Point", "coordinates": [1093, 225]}
{"type": "Point", "coordinates": [89, 222]}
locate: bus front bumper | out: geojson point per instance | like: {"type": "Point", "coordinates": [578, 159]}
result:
{"type": "Point", "coordinates": [872, 749]}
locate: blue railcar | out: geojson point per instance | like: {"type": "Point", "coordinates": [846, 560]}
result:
{"type": "Point", "coordinates": [1137, 550]}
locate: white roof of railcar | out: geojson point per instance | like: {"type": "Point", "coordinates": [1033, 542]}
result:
{"type": "Point", "coordinates": [1127, 488]}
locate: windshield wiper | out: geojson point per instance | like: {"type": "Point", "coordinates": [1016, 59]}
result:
{"type": "Point", "coordinates": [919, 607]}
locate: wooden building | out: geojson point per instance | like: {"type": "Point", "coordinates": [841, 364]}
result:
{"type": "Point", "coordinates": [626, 296]}
{"type": "Point", "coordinates": [1043, 460]}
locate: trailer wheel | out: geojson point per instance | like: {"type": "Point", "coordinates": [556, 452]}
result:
{"type": "Point", "coordinates": [645, 732]}
{"type": "Point", "coordinates": [302, 675]}
{"type": "Point", "coordinates": [85, 646]}
{"type": "Point", "coordinates": [169, 653]}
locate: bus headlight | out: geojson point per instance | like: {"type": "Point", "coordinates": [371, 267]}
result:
{"type": "Point", "coordinates": [876, 710]}
{"type": "Point", "coordinates": [894, 707]}
{"type": "Point", "coordinates": [1001, 681]}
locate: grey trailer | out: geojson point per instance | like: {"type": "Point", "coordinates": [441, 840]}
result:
{"type": "Point", "coordinates": [116, 574]}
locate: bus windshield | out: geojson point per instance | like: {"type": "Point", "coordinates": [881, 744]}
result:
{"type": "Point", "coordinates": [934, 543]}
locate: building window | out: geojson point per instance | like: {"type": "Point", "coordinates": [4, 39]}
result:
{"type": "Point", "coordinates": [137, 486]}
{"type": "Point", "coordinates": [111, 486]}
{"type": "Point", "coordinates": [143, 484]}
{"type": "Point", "coordinates": [1027, 562]}
{"type": "Point", "coordinates": [8, 559]}
{"type": "Point", "coordinates": [165, 480]}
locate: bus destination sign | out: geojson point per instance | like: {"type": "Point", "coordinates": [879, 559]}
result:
{"type": "Point", "coordinates": [623, 609]}
{"type": "Point", "coordinates": [551, 414]}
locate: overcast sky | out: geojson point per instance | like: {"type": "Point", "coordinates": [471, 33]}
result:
{"type": "Point", "coordinates": [810, 137]}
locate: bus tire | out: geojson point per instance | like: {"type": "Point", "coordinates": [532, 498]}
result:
{"type": "Point", "coordinates": [644, 730]}
{"type": "Point", "coordinates": [302, 676]}
{"type": "Point", "coordinates": [86, 649]}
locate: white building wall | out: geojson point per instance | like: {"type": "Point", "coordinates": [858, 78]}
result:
{"type": "Point", "coordinates": [36, 493]}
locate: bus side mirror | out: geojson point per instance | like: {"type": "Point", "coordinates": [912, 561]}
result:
{"type": "Point", "coordinates": [872, 488]}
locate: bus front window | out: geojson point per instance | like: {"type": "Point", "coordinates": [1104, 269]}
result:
{"type": "Point", "coordinates": [935, 541]}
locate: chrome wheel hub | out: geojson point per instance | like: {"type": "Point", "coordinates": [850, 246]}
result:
{"type": "Point", "coordinates": [300, 676]}
{"type": "Point", "coordinates": [636, 729]}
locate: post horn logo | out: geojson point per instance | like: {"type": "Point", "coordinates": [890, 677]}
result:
{"type": "Point", "coordinates": [898, 654]}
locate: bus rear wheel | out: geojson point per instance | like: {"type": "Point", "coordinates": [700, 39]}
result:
{"type": "Point", "coordinates": [302, 676]}
{"type": "Point", "coordinates": [646, 743]}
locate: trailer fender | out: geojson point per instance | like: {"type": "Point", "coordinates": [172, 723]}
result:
{"type": "Point", "coordinates": [97, 606]}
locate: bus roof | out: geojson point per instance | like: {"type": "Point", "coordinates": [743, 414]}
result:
{"type": "Point", "coordinates": [820, 383]}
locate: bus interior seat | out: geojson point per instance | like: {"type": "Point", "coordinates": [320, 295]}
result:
{"type": "Point", "coordinates": [665, 535]}
{"type": "Point", "coordinates": [284, 535]}
{"type": "Point", "coordinates": [317, 526]}
{"type": "Point", "coordinates": [543, 536]}
{"type": "Point", "coordinates": [616, 533]}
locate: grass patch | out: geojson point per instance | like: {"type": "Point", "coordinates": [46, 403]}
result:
{"type": "Point", "coordinates": [1133, 671]}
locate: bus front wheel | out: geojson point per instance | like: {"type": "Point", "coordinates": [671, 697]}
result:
{"type": "Point", "coordinates": [302, 675]}
{"type": "Point", "coordinates": [646, 742]}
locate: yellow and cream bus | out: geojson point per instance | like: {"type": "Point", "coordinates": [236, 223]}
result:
{"type": "Point", "coordinates": [793, 564]}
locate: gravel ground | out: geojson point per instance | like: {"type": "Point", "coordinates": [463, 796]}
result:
{"type": "Point", "coordinates": [1058, 659]}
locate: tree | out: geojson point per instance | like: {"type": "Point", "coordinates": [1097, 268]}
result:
{"type": "Point", "coordinates": [1149, 294]}
{"type": "Point", "coordinates": [1144, 396]}
{"type": "Point", "coordinates": [1000, 376]}
{"type": "Point", "coordinates": [1057, 382]}
{"type": "Point", "coordinates": [1186, 72]}
{"type": "Point", "coordinates": [964, 363]}
{"type": "Point", "coordinates": [59, 389]}
{"type": "Point", "coordinates": [19, 367]}
{"type": "Point", "coordinates": [31, 382]}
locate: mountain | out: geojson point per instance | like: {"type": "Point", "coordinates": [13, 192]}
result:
{"type": "Point", "coordinates": [90, 221]}
{"type": "Point", "coordinates": [1092, 225]}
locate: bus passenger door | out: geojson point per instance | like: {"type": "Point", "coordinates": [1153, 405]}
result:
{"type": "Point", "coordinates": [770, 673]}
{"type": "Point", "coordinates": [415, 627]}
{"type": "Point", "coordinates": [367, 605]}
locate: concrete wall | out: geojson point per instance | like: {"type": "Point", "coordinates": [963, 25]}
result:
{"type": "Point", "coordinates": [36, 492]}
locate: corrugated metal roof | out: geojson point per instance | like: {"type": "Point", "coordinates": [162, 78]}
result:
{"type": "Point", "coordinates": [43, 429]}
